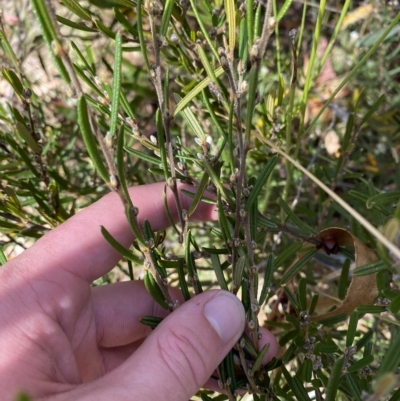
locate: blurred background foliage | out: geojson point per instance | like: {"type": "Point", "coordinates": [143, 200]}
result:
{"type": "Point", "coordinates": [53, 53]}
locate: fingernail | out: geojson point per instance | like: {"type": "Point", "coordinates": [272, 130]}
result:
{"type": "Point", "coordinates": [226, 315]}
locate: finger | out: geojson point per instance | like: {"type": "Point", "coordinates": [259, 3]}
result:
{"type": "Point", "coordinates": [118, 309]}
{"type": "Point", "coordinates": [78, 247]}
{"type": "Point", "coordinates": [180, 354]}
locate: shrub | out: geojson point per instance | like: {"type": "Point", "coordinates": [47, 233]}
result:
{"type": "Point", "coordinates": [292, 133]}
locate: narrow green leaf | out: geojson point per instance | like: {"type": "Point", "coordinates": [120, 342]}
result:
{"type": "Point", "coordinates": [249, 346]}
{"type": "Point", "coordinates": [217, 182]}
{"type": "Point", "coordinates": [353, 386]}
{"type": "Point", "coordinates": [262, 179]}
{"type": "Point", "coordinates": [230, 11]}
{"type": "Point", "coordinates": [75, 25]}
{"type": "Point", "coordinates": [287, 253]}
{"type": "Point", "coordinates": [292, 216]}
{"type": "Point", "coordinates": [334, 380]}
{"type": "Point", "coordinates": [161, 145]}
{"type": "Point", "coordinates": [77, 9]}
{"type": "Point", "coordinates": [352, 328]}
{"type": "Point", "coordinates": [141, 155]}
{"type": "Point", "coordinates": [182, 282]}
{"type": "Point", "coordinates": [199, 194]}
{"type": "Point", "coordinates": [302, 294]}
{"type": "Point", "coordinates": [90, 142]}
{"type": "Point", "coordinates": [371, 309]}
{"type": "Point", "coordinates": [298, 266]}
{"type": "Point", "coordinates": [250, 22]}
{"type": "Point", "coordinates": [367, 360]}
{"type": "Point", "coordinates": [269, 272]}
{"type": "Point", "coordinates": [305, 372]}
{"type": "Point", "coordinates": [3, 259]}
{"type": "Point", "coordinates": [204, 31]}
{"type": "Point", "coordinates": [215, 251]}
{"type": "Point", "coordinates": [394, 306]}
{"type": "Point", "coordinates": [154, 290]}
{"type": "Point", "coordinates": [166, 16]}
{"type": "Point", "coordinates": [283, 10]}
{"type": "Point", "coordinates": [289, 354]}
{"type": "Point", "coordinates": [23, 155]}
{"type": "Point", "coordinates": [28, 138]}
{"type": "Point", "coordinates": [148, 233]}
{"type": "Point", "coordinates": [251, 96]}
{"type": "Point", "coordinates": [130, 213]}
{"type": "Point", "coordinates": [49, 35]}
{"type": "Point", "coordinates": [238, 272]}
{"type": "Point", "coordinates": [120, 162]}
{"type": "Point", "coordinates": [188, 255]}
{"type": "Point", "coordinates": [218, 271]}
{"type": "Point", "coordinates": [151, 321]}
{"type": "Point", "coordinates": [8, 50]}
{"type": "Point", "coordinates": [192, 120]}
{"type": "Point", "coordinates": [313, 303]}
{"type": "Point", "coordinates": [292, 299]}
{"type": "Point", "coordinates": [370, 268]}
{"type": "Point", "coordinates": [334, 320]}
{"type": "Point", "coordinates": [87, 81]}
{"type": "Point", "coordinates": [368, 349]}
{"type": "Point", "coordinates": [13, 80]}
{"type": "Point", "coordinates": [125, 23]}
{"type": "Point", "coordinates": [383, 199]}
{"type": "Point", "coordinates": [106, 31]}
{"type": "Point", "coordinates": [298, 390]}
{"type": "Point", "coordinates": [203, 198]}
{"type": "Point", "coordinates": [195, 91]}
{"type": "Point", "coordinates": [260, 357]}
{"type": "Point", "coordinates": [167, 211]}
{"type": "Point", "coordinates": [206, 64]}
{"type": "Point", "coordinates": [140, 33]}
{"type": "Point", "coordinates": [372, 109]}
{"type": "Point", "coordinates": [120, 248]}
{"type": "Point", "coordinates": [116, 88]}
{"type": "Point", "coordinates": [325, 348]}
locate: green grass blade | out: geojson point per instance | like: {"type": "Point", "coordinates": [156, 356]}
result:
{"type": "Point", "coordinates": [353, 72]}
{"type": "Point", "coordinates": [49, 35]}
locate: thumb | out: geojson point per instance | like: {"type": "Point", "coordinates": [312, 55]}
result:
{"type": "Point", "coordinates": [184, 350]}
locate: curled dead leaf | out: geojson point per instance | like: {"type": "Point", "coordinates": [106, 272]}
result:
{"type": "Point", "coordinates": [362, 290]}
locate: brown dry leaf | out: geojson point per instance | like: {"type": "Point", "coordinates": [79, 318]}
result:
{"type": "Point", "coordinates": [362, 290]}
{"type": "Point", "coordinates": [358, 14]}
{"type": "Point", "coordinates": [332, 143]}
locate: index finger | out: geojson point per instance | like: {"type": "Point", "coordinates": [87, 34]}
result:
{"type": "Point", "coordinates": [79, 247]}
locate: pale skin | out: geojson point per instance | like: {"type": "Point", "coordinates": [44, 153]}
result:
{"type": "Point", "coordinates": [62, 339]}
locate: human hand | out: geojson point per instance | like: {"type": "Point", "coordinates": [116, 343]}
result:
{"type": "Point", "coordinates": [61, 339]}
